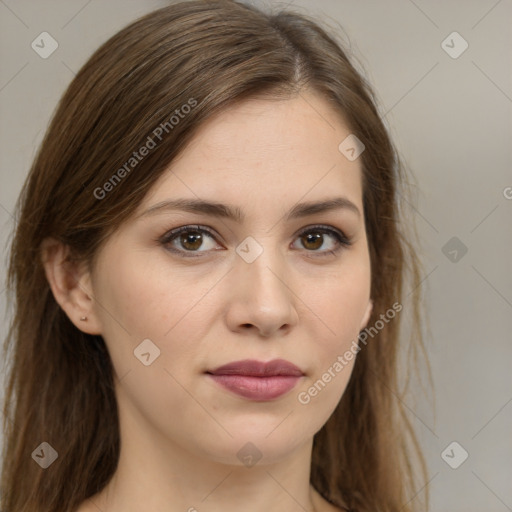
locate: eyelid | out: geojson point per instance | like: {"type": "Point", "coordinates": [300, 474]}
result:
{"type": "Point", "coordinates": [324, 228]}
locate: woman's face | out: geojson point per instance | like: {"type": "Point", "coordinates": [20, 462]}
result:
{"type": "Point", "coordinates": [273, 281]}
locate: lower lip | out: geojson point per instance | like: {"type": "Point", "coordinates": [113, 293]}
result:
{"type": "Point", "coordinates": [257, 388]}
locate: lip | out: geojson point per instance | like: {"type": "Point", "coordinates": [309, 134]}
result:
{"type": "Point", "coordinates": [257, 380]}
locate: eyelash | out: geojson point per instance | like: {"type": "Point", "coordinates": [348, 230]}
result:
{"type": "Point", "coordinates": [168, 237]}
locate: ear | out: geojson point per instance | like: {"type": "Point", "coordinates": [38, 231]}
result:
{"type": "Point", "coordinates": [367, 314]}
{"type": "Point", "coordinates": [70, 283]}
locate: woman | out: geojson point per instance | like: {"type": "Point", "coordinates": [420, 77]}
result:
{"type": "Point", "coordinates": [208, 271]}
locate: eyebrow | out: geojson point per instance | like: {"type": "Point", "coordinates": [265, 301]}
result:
{"type": "Point", "coordinates": [235, 213]}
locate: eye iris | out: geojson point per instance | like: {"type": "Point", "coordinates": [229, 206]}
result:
{"type": "Point", "coordinates": [315, 239]}
{"type": "Point", "coordinates": [195, 239]}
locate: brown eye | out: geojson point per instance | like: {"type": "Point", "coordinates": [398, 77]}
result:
{"type": "Point", "coordinates": [322, 240]}
{"type": "Point", "coordinates": [191, 240]}
{"type": "Point", "coordinates": [312, 241]}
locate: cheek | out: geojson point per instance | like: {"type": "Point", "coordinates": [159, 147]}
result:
{"type": "Point", "coordinates": [140, 300]}
{"type": "Point", "coordinates": [130, 306]}
{"type": "Point", "coordinates": [340, 320]}
{"type": "Point", "coordinates": [140, 297]}
{"type": "Point", "coordinates": [340, 300]}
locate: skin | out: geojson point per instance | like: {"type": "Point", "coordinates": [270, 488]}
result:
{"type": "Point", "coordinates": [180, 431]}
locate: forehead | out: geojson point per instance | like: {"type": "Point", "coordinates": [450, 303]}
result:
{"type": "Point", "coordinates": [271, 151]}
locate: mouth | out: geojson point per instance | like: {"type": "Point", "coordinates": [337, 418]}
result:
{"type": "Point", "coordinates": [257, 380]}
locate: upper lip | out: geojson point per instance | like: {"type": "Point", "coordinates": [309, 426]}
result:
{"type": "Point", "coordinates": [253, 368]}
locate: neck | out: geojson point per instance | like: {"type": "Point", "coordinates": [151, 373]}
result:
{"type": "Point", "coordinates": [155, 474]}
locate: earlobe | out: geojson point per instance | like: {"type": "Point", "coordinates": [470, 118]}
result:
{"type": "Point", "coordinates": [70, 284]}
{"type": "Point", "coordinates": [367, 315]}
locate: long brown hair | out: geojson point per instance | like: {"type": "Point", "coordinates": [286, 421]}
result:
{"type": "Point", "coordinates": [60, 379]}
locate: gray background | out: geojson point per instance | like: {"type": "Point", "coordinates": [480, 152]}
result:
{"type": "Point", "coordinates": [451, 120]}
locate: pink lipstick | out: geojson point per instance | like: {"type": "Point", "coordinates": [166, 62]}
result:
{"type": "Point", "coordinates": [257, 380]}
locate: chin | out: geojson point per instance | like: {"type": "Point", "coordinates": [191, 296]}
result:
{"type": "Point", "coordinates": [256, 444]}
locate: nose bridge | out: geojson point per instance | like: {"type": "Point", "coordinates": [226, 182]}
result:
{"type": "Point", "coordinates": [267, 274]}
{"type": "Point", "coordinates": [262, 292]}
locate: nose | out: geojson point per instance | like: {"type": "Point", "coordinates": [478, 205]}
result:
{"type": "Point", "coordinates": [261, 297]}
